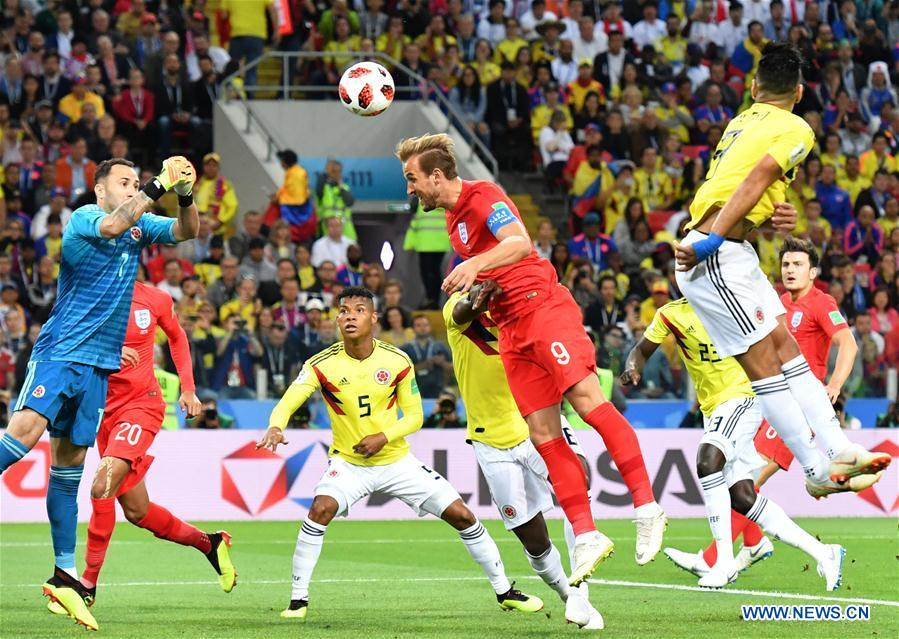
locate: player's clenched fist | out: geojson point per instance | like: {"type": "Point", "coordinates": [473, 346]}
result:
{"type": "Point", "coordinates": [273, 436]}
{"type": "Point", "coordinates": [630, 376]}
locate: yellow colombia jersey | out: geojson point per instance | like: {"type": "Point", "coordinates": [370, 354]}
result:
{"type": "Point", "coordinates": [493, 416]}
{"type": "Point", "coordinates": [716, 380]}
{"type": "Point", "coordinates": [760, 130]}
{"type": "Point", "coordinates": [364, 397]}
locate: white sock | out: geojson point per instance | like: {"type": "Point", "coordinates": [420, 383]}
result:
{"type": "Point", "coordinates": [775, 521]}
{"type": "Point", "coordinates": [812, 398]}
{"type": "Point", "coordinates": [569, 541]}
{"type": "Point", "coordinates": [305, 556]}
{"type": "Point", "coordinates": [549, 567]}
{"type": "Point", "coordinates": [782, 411]}
{"type": "Point", "coordinates": [717, 507]}
{"type": "Point", "coordinates": [647, 510]}
{"type": "Point", "coordinates": [71, 572]}
{"type": "Point", "coordinates": [482, 548]}
{"type": "Point", "coordinates": [585, 590]}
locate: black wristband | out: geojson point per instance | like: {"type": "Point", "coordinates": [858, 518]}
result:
{"type": "Point", "coordinates": [154, 189]}
{"type": "Point", "coordinates": [184, 201]}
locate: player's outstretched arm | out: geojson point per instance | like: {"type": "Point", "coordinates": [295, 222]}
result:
{"type": "Point", "coordinates": [636, 360]}
{"type": "Point", "coordinates": [295, 396]}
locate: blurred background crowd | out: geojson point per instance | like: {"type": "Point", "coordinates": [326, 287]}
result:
{"type": "Point", "coordinates": [617, 107]}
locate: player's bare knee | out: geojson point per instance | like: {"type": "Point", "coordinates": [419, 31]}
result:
{"type": "Point", "coordinates": [459, 516]}
{"type": "Point", "coordinates": [323, 510]}
{"type": "Point", "coordinates": [110, 473]}
{"type": "Point", "coordinates": [709, 460]}
{"type": "Point", "coordinates": [534, 536]}
{"type": "Point", "coordinates": [27, 426]}
{"type": "Point", "coordinates": [742, 496]}
{"type": "Point", "coordinates": [134, 512]}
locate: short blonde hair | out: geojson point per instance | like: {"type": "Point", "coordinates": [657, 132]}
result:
{"type": "Point", "coordinates": [433, 152]}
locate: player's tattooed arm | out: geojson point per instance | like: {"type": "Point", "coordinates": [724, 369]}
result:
{"type": "Point", "coordinates": [126, 215]}
{"type": "Point", "coordinates": [636, 360]}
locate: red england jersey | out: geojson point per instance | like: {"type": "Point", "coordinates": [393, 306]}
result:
{"type": "Point", "coordinates": [482, 209]}
{"type": "Point", "coordinates": [813, 319]}
{"type": "Point", "coordinates": [150, 307]}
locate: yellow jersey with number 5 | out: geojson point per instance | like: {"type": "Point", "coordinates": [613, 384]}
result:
{"type": "Point", "coordinates": [760, 130]}
{"type": "Point", "coordinates": [716, 380]}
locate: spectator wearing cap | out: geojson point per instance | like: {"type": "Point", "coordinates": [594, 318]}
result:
{"type": "Point", "coordinates": [135, 110]}
{"type": "Point", "coordinates": [305, 333]}
{"type": "Point", "coordinates": [546, 49]}
{"type": "Point", "coordinates": [293, 198]}
{"type": "Point", "coordinates": [215, 196]}
{"type": "Point", "coordinates": [146, 43]}
{"type": "Point", "coordinates": [57, 206]}
{"type": "Point", "coordinates": [650, 28]}
{"type": "Point", "coordinates": [588, 41]}
{"type": "Point", "coordinates": [591, 246]}
{"type": "Point", "coordinates": [508, 116]}
{"type": "Point", "coordinates": [674, 117]}
{"type": "Point", "coordinates": [75, 172]}
{"type": "Point", "coordinates": [535, 16]}
{"type": "Point", "coordinates": [332, 246]}
{"type": "Point", "coordinates": [542, 113]}
{"type": "Point", "coordinates": [583, 85]}
{"type": "Point", "coordinates": [255, 265]}
{"type": "Point", "coordinates": [659, 295]}
{"type": "Point", "coordinates": [70, 105]}
{"type": "Point", "coordinates": [609, 65]}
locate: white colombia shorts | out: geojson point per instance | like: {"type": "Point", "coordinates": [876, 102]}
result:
{"type": "Point", "coordinates": [731, 429]}
{"type": "Point", "coordinates": [731, 295]}
{"type": "Point", "coordinates": [424, 490]}
{"type": "Point", "coordinates": [518, 479]}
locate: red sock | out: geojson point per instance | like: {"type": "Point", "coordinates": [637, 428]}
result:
{"type": "Point", "coordinates": [99, 532]}
{"type": "Point", "coordinates": [752, 535]}
{"type": "Point", "coordinates": [569, 483]}
{"type": "Point", "coordinates": [165, 525]}
{"type": "Point", "coordinates": [621, 442]}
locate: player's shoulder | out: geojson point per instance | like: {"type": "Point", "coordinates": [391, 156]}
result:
{"type": "Point", "coordinates": [87, 209]}
{"type": "Point", "coordinates": [152, 295]}
{"type": "Point", "coordinates": [486, 189]}
{"type": "Point", "coordinates": [324, 355]}
{"type": "Point", "coordinates": [820, 299]}
{"type": "Point", "coordinates": [390, 354]}
{"type": "Point", "coordinates": [678, 307]}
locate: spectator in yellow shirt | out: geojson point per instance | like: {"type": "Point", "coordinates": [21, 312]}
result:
{"type": "Point", "coordinates": [653, 185]}
{"type": "Point", "coordinates": [435, 40]}
{"type": "Point", "coordinates": [890, 219]}
{"type": "Point", "coordinates": [851, 180]}
{"type": "Point", "coordinates": [214, 196]}
{"type": "Point", "coordinates": [542, 113]}
{"type": "Point", "coordinates": [507, 49]}
{"type": "Point", "coordinates": [393, 41]}
{"type": "Point", "coordinates": [293, 198]}
{"type": "Point", "coordinates": [877, 157]}
{"type": "Point", "coordinates": [70, 105]}
{"type": "Point", "coordinates": [343, 42]}
{"type": "Point", "coordinates": [245, 305]}
{"type": "Point", "coordinates": [249, 30]}
{"type": "Point", "coordinates": [488, 71]}
{"type": "Point", "coordinates": [658, 297]}
{"type": "Point", "coordinates": [833, 155]}
{"type": "Point", "coordinates": [674, 117]}
{"type": "Point", "coordinates": [811, 216]}
{"type": "Point", "coordinates": [768, 248]}
{"type": "Point", "coordinates": [673, 46]}
{"type": "Point", "coordinates": [583, 85]}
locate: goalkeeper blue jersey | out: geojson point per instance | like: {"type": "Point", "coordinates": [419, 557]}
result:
{"type": "Point", "coordinates": [96, 281]}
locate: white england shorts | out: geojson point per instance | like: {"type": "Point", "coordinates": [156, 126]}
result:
{"type": "Point", "coordinates": [518, 479]}
{"type": "Point", "coordinates": [424, 490]}
{"type": "Point", "coordinates": [731, 295]}
{"type": "Point", "coordinates": [731, 429]}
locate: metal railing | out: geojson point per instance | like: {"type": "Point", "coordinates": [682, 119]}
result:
{"type": "Point", "coordinates": [289, 60]}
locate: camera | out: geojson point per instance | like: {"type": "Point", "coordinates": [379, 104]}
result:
{"type": "Point", "coordinates": [447, 406]}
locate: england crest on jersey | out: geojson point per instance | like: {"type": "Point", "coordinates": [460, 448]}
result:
{"type": "Point", "coordinates": [463, 233]}
{"type": "Point", "coordinates": [142, 318]}
{"type": "Point", "coordinates": [796, 320]}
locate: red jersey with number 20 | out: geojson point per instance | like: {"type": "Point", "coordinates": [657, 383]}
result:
{"type": "Point", "coordinates": [482, 209]}
{"type": "Point", "coordinates": [149, 306]}
{"type": "Point", "coordinates": [813, 319]}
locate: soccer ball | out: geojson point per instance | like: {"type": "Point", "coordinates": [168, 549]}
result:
{"type": "Point", "coordinates": [366, 89]}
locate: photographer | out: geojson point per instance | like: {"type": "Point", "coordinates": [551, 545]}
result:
{"type": "Point", "coordinates": [237, 350]}
{"type": "Point", "coordinates": [278, 360]}
{"type": "Point", "coordinates": [889, 419]}
{"type": "Point", "coordinates": [445, 415]}
{"type": "Point", "coordinates": [210, 417]}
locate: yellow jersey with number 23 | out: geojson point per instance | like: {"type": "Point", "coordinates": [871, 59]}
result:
{"type": "Point", "coordinates": [760, 130]}
{"type": "Point", "coordinates": [716, 380]}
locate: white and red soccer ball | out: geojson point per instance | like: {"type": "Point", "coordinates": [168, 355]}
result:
{"type": "Point", "coordinates": [366, 89]}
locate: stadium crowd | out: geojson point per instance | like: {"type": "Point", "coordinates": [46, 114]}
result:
{"type": "Point", "coordinates": [618, 105]}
